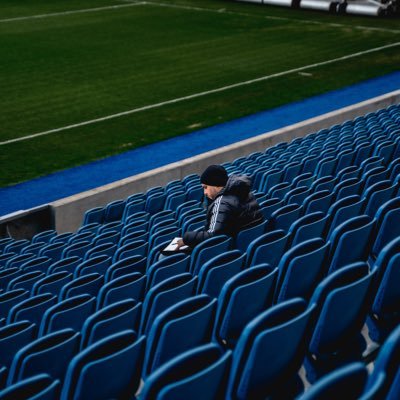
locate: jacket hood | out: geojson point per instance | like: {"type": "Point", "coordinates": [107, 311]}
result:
{"type": "Point", "coordinates": [238, 185]}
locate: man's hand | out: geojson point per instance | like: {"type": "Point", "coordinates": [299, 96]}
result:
{"type": "Point", "coordinates": [179, 244]}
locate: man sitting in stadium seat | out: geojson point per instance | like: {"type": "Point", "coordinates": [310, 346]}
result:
{"type": "Point", "coordinates": [232, 206]}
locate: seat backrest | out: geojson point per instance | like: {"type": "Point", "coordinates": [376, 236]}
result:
{"type": "Point", "coordinates": [263, 338]}
{"type": "Point", "coordinates": [208, 249]}
{"type": "Point", "coordinates": [49, 354]}
{"type": "Point", "coordinates": [187, 324]}
{"type": "Point", "coordinates": [126, 266]}
{"type": "Point", "coordinates": [121, 352]}
{"type": "Point", "coordinates": [197, 374]}
{"type": "Point", "coordinates": [344, 382]}
{"type": "Point", "coordinates": [242, 298]}
{"type": "Point", "coordinates": [124, 287]}
{"type": "Point", "coordinates": [246, 236]}
{"type": "Point", "coordinates": [165, 294]}
{"type": "Point", "coordinates": [215, 272]}
{"type": "Point", "coordinates": [342, 305]}
{"type": "Point", "coordinates": [37, 387]}
{"type": "Point", "coordinates": [70, 313]}
{"type": "Point", "coordinates": [300, 269]}
{"type": "Point", "coordinates": [111, 319]}
{"type": "Point", "coordinates": [13, 337]}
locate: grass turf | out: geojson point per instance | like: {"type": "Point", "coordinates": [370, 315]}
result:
{"type": "Point", "coordinates": [66, 69]}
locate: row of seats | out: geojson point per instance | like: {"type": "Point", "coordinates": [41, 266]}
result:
{"type": "Point", "coordinates": [320, 269]}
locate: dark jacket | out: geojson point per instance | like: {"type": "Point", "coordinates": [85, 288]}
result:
{"type": "Point", "coordinates": [235, 208]}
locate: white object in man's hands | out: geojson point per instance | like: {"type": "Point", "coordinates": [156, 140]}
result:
{"type": "Point", "coordinates": [173, 246]}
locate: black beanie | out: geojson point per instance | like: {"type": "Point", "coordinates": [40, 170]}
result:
{"type": "Point", "coordinates": [214, 175]}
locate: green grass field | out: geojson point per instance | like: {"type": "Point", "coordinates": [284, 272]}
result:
{"type": "Point", "coordinates": [63, 65]}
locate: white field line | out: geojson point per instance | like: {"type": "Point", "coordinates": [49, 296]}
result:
{"type": "Point", "coordinates": [57, 14]}
{"type": "Point", "coordinates": [201, 94]}
{"type": "Point", "coordinates": [303, 21]}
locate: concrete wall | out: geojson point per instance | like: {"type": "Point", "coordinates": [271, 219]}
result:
{"type": "Point", "coordinates": [67, 214]}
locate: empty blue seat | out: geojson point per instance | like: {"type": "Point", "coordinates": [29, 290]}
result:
{"type": "Point", "coordinates": [52, 283]}
{"type": "Point", "coordinates": [165, 294]}
{"type": "Point", "coordinates": [7, 275]}
{"type": "Point", "coordinates": [40, 386]}
{"type": "Point", "coordinates": [300, 269]}
{"type": "Point", "coordinates": [268, 248]}
{"type": "Point", "coordinates": [348, 187]}
{"type": "Point", "coordinates": [198, 374]}
{"type": "Point", "coordinates": [185, 325]}
{"type": "Point", "coordinates": [284, 217]}
{"type": "Point", "coordinates": [106, 237]}
{"type": "Point", "coordinates": [10, 298]}
{"type": "Point", "coordinates": [283, 326]}
{"type": "Point", "coordinates": [49, 354]}
{"type": "Point", "coordinates": [208, 249]}
{"type": "Point", "coordinates": [126, 266]}
{"type": "Point", "coordinates": [107, 249]}
{"type": "Point", "coordinates": [347, 382]}
{"type": "Point", "coordinates": [13, 337]}
{"type": "Point", "coordinates": [76, 249]}
{"type": "Point", "coordinates": [137, 248]}
{"type": "Point", "coordinates": [93, 215]}
{"type": "Point", "coordinates": [70, 313]}
{"type": "Point", "coordinates": [378, 194]}
{"type": "Point", "coordinates": [351, 241]}
{"type": "Point", "coordinates": [215, 272]}
{"type": "Point", "coordinates": [53, 250]}
{"type": "Point", "coordinates": [309, 226]}
{"type": "Point", "coordinates": [86, 284]}
{"type": "Point", "coordinates": [167, 267]}
{"type": "Point", "coordinates": [388, 228]}
{"type": "Point", "coordinates": [133, 207]}
{"type": "Point", "coordinates": [155, 202]}
{"type": "Point", "coordinates": [37, 264]}
{"type": "Point", "coordinates": [113, 211]}
{"type": "Point", "coordinates": [344, 209]}
{"type": "Point", "coordinates": [242, 298]}
{"type": "Point", "coordinates": [68, 264]}
{"type": "Point", "coordinates": [133, 236]}
{"type": "Point", "coordinates": [44, 236]}
{"type": "Point", "coordinates": [98, 264]}
{"type": "Point", "coordinates": [342, 305]}
{"type": "Point", "coordinates": [318, 201]}
{"type": "Point", "coordinates": [18, 260]}
{"type": "Point", "coordinates": [16, 246]}
{"type": "Point", "coordinates": [269, 206]}
{"type": "Point", "coordinates": [31, 309]}
{"type": "Point", "coordinates": [91, 373]}
{"type": "Point", "coordinates": [111, 319]}
{"type": "Point", "coordinates": [246, 236]}
{"type": "Point", "coordinates": [127, 286]}
{"type": "Point", "coordinates": [385, 369]}
{"type": "Point", "coordinates": [34, 248]}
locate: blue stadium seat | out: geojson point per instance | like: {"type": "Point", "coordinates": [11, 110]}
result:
{"type": "Point", "coordinates": [93, 215]}
{"type": "Point", "coordinates": [126, 266]}
{"type": "Point", "coordinates": [351, 241]}
{"type": "Point", "coordinates": [284, 217]}
{"type": "Point", "coordinates": [91, 373]}
{"type": "Point", "coordinates": [198, 374]}
{"type": "Point", "coordinates": [44, 236]}
{"type": "Point", "coordinates": [283, 326]}
{"type": "Point", "coordinates": [268, 248]}
{"type": "Point", "coordinates": [179, 328]}
{"type": "Point", "coordinates": [66, 264]}
{"type": "Point", "coordinates": [7, 275]}
{"type": "Point", "coordinates": [342, 306]}
{"type": "Point", "coordinates": [40, 386]}
{"type": "Point", "coordinates": [347, 382]}
{"type": "Point", "coordinates": [309, 226]}
{"type": "Point", "coordinates": [208, 249]}
{"type": "Point", "coordinates": [98, 264]}
{"type": "Point", "coordinates": [52, 283]}
{"type": "Point", "coordinates": [137, 248]}
{"type": "Point", "coordinates": [70, 313]}
{"type": "Point", "coordinates": [246, 236]}
{"type": "Point", "coordinates": [111, 319]}
{"type": "Point", "coordinates": [113, 211]}
{"type": "Point", "coordinates": [126, 286]}
{"type": "Point", "coordinates": [106, 237]}
{"type": "Point", "coordinates": [13, 337]}
{"type": "Point", "coordinates": [164, 295]}
{"type": "Point", "coordinates": [37, 264]}
{"type": "Point", "coordinates": [10, 298]}
{"type": "Point", "coordinates": [215, 272]}
{"type": "Point", "coordinates": [53, 250]}
{"type": "Point", "coordinates": [49, 354]}
{"type": "Point", "coordinates": [86, 284]}
{"type": "Point", "coordinates": [167, 267]}
{"type": "Point", "coordinates": [300, 269]}
{"type": "Point", "coordinates": [242, 298]}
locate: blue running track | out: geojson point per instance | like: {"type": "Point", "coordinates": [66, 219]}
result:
{"type": "Point", "coordinates": [75, 180]}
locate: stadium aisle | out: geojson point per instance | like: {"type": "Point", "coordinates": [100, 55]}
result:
{"type": "Point", "coordinates": [75, 180]}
